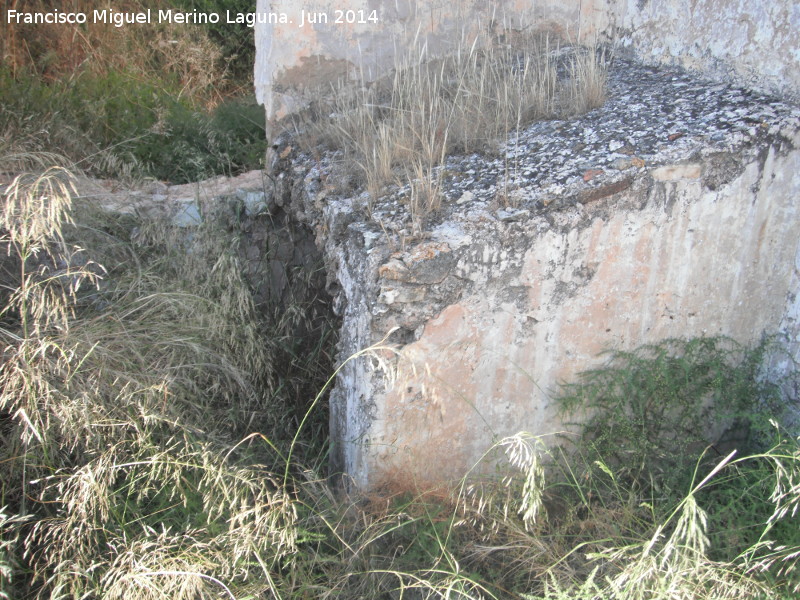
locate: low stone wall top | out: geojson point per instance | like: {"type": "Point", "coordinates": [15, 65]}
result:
{"type": "Point", "coordinates": [184, 205]}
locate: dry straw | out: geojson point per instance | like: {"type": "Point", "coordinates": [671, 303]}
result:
{"type": "Point", "coordinates": [399, 129]}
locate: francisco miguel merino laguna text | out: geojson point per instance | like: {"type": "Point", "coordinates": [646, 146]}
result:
{"type": "Point", "coordinates": [118, 18]}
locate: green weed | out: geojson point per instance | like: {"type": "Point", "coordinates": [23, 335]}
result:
{"type": "Point", "coordinates": [192, 145]}
{"type": "Point", "coordinates": [161, 101]}
{"type": "Point", "coordinates": [118, 125]}
{"type": "Point", "coordinates": [655, 409]}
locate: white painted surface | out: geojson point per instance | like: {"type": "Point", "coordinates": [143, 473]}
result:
{"type": "Point", "coordinates": [753, 42]}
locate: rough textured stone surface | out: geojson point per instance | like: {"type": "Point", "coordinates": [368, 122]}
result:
{"type": "Point", "coordinates": [248, 194]}
{"type": "Point", "coordinates": [523, 279]}
{"type": "Point", "coordinates": [277, 252]}
{"type": "Point", "coordinates": [670, 211]}
{"type": "Point", "coordinates": [753, 42]}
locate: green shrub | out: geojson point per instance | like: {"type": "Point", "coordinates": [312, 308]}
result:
{"type": "Point", "coordinates": [161, 101]}
{"type": "Point", "coordinates": [194, 145]}
{"type": "Point", "coordinates": [95, 121]}
{"type": "Point", "coordinates": [740, 503]}
{"type": "Point", "coordinates": [664, 507]}
{"type": "Point", "coordinates": [652, 411]}
{"type": "Point", "coordinates": [114, 124]}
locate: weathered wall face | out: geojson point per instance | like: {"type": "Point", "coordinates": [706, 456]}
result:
{"type": "Point", "coordinates": [669, 212]}
{"type": "Point", "coordinates": [296, 56]}
{"type": "Point", "coordinates": [753, 42]}
{"type": "Point", "coordinates": [664, 259]}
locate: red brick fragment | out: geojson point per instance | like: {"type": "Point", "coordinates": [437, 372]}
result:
{"type": "Point", "coordinates": [591, 174]}
{"type": "Point", "coordinates": [592, 195]}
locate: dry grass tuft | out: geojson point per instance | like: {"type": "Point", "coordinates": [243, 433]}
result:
{"type": "Point", "coordinates": [161, 52]}
{"type": "Point", "coordinates": [123, 394]}
{"type": "Point", "coordinates": [399, 129]}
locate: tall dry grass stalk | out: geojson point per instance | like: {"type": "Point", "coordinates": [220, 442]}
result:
{"type": "Point", "coordinates": [600, 542]}
{"type": "Point", "coordinates": [123, 394]}
{"type": "Point", "coordinates": [399, 129]}
{"type": "Point", "coordinates": [154, 53]}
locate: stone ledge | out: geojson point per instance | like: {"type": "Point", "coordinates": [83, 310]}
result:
{"type": "Point", "coordinates": [669, 211]}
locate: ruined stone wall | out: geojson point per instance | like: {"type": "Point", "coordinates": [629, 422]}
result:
{"type": "Point", "coordinates": [669, 212]}
{"type": "Point", "coordinates": [666, 258]}
{"type": "Point", "coordinates": [755, 43]}
{"type": "Point", "coordinates": [305, 48]}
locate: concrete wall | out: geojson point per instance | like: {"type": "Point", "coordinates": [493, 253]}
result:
{"type": "Point", "coordinates": [537, 302]}
{"type": "Point", "coordinates": [492, 309]}
{"type": "Point", "coordinates": [754, 42]}
{"type": "Point", "coordinates": [688, 263]}
{"type": "Point", "coordinates": [670, 211]}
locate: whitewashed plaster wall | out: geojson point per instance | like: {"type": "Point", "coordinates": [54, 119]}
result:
{"type": "Point", "coordinates": [295, 57]}
{"type": "Point", "coordinates": [673, 254]}
{"type": "Point", "coordinates": [666, 258]}
{"type": "Point", "coordinates": [753, 42]}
